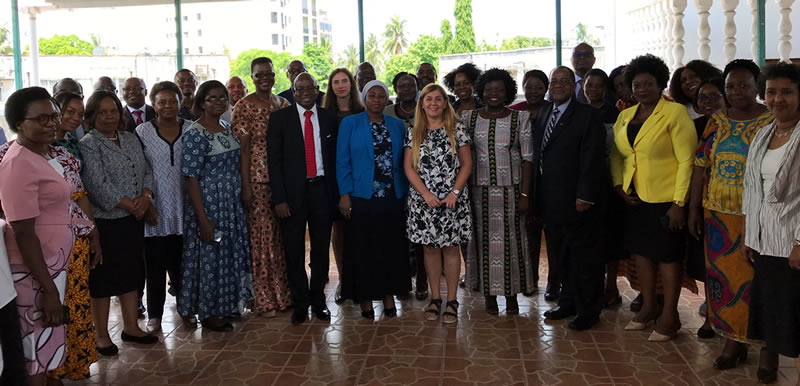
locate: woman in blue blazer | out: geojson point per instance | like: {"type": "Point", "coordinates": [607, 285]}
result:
{"type": "Point", "coordinates": [373, 186]}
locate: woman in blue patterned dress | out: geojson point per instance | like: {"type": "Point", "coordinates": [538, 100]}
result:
{"type": "Point", "coordinates": [216, 257]}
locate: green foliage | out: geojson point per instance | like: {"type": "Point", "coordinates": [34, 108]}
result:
{"type": "Point", "coordinates": [395, 35]}
{"type": "Point", "coordinates": [426, 49]}
{"type": "Point", "coordinates": [64, 45]}
{"type": "Point", "coordinates": [518, 42]}
{"type": "Point", "coordinates": [465, 34]}
{"type": "Point", "coordinates": [582, 35]}
{"type": "Point", "coordinates": [447, 34]}
{"type": "Point", "coordinates": [484, 46]}
{"type": "Point", "coordinates": [372, 52]}
{"type": "Point", "coordinates": [241, 67]}
{"type": "Point", "coordinates": [318, 62]}
{"type": "Point", "coordinates": [5, 41]}
{"type": "Point", "coordinates": [349, 58]}
{"type": "Point", "coordinates": [325, 43]}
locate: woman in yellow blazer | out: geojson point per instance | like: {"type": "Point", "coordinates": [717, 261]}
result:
{"type": "Point", "coordinates": [651, 166]}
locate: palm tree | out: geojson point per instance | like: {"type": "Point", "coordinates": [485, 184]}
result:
{"type": "Point", "coordinates": [395, 35]}
{"type": "Point", "coordinates": [372, 51]}
{"type": "Point", "coordinates": [349, 58]}
{"type": "Point", "coordinates": [325, 44]}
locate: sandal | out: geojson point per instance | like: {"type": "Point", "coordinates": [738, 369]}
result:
{"type": "Point", "coordinates": [452, 304]}
{"type": "Point", "coordinates": [432, 313]}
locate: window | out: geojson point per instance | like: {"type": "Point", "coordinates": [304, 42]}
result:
{"type": "Point", "coordinates": [186, 18]}
{"type": "Point", "coordinates": [199, 32]}
{"type": "Point", "coordinates": [186, 51]}
{"type": "Point", "coordinates": [200, 49]}
{"type": "Point", "coordinates": [274, 17]}
{"type": "Point", "coordinates": [186, 34]}
{"type": "Point", "coordinates": [274, 39]}
{"type": "Point", "coordinates": [198, 16]}
{"type": "Point", "coordinates": [305, 39]}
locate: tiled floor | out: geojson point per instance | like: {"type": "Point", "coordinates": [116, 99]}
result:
{"type": "Point", "coordinates": [479, 349]}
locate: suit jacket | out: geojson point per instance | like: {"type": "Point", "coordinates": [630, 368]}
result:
{"type": "Point", "coordinates": [355, 156]}
{"type": "Point", "coordinates": [286, 156]}
{"type": "Point", "coordinates": [659, 164]}
{"type": "Point", "coordinates": [149, 115]}
{"type": "Point", "coordinates": [574, 163]}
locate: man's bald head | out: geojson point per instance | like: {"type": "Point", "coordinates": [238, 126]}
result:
{"type": "Point", "coordinates": [68, 85]}
{"type": "Point", "coordinates": [237, 89]}
{"type": "Point", "coordinates": [105, 83]}
{"type": "Point", "coordinates": [365, 73]}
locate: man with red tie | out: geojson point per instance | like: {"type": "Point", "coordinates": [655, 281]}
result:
{"type": "Point", "coordinates": [301, 150]}
{"type": "Point", "coordinates": [133, 92]}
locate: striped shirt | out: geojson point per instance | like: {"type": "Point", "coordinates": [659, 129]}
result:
{"type": "Point", "coordinates": [772, 217]}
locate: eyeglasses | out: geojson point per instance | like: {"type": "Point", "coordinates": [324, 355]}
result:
{"type": "Point", "coordinates": [303, 90]}
{"type": "Point", "coordinates": [264, 75]}
{"type": "Point", "coordinates": [43, 119]}
{"type": "Point", "coordinates": [132, 89]}
{"type": "Point", "coordinates": [583, 54]}
{"type": "Point", "coordinates": [215, 99]}
{"type": "Point", "coordinates": [708, 98]}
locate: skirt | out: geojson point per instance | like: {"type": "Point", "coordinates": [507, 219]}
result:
{"type": "Point", "coordinates": [775, 305]}
{"type": "Point", "coordinates": [729, 276]}
{"type": "Point", "coordinates": [270, 283]}
{"type": "Point", "coordinates": [375, 250]}
{"type": "Point", "coordinates": [499, 262]}
{"type": "Point", "coordinates": [81, 349]}
{"type": "Point", "coordinates": [122, 270]}
{"type": "Point", "coordinates": [646, 234]}
{"type": "Point", "coordinates": [614, 229]}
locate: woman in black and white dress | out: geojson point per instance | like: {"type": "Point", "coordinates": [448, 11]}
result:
{"type": "Point", "coordinates": [438, 162]}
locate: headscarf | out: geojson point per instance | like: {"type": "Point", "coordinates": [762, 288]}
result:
{"type": "Point", "coordinates": [371, 84]}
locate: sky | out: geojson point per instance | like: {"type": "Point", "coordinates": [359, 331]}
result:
{"type": "Point", "coordinates": [493, 20]}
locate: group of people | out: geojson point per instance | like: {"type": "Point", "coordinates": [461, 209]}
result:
{"type": "Point", "coordinates": [217, 189]}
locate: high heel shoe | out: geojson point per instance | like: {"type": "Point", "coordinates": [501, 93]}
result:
{"type": "Point", "coordinates": [656, 336]}
{"type": "Point", "coordinates": [767, 376]}
{"type": "Point", "coordinates": [724, 362]}
{"type": "Point", "coordinates": [706, 333]}
{"type": "Point", "coordinates": [637, 326]}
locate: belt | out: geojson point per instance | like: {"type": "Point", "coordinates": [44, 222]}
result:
{"type": "Point", "coordinates": [315, 179]}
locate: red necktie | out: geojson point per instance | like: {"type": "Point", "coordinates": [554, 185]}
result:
{"type": "Point", "coordinates": [311, 159]}
{"type": "Point", "coordinates": [138, 114]}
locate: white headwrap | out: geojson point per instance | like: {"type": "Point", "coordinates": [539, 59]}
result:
{"type": "Point", "coordinates": [371, 84]}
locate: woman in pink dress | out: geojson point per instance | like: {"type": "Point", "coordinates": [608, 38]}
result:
{"type": "Point", "coordinates": [40, 238]}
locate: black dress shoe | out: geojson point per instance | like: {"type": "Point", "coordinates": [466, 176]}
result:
{"type": "Point", "coordinates": [706, 333]}
{"type": "Point", "coordinates": [299, 316]}
{"type": "Point", "coordinates": [146, 339]}
{"type": "Point", "coordinates": [220, 325]}
{"type": "Point", "coordinates": [767, 376]}
{"type": "Point", "coordinates": [109, 351]}
{"type": "Point", "coordinates": [390, 312]}
{"type": "Point", "coordinates": [338, 299]}
{"type": "Point", "coordinates": [583, 322]}
{"type": "Point", "coordinates": [636, 304]}
{"type": "Point", "coordinates": [724, 362]}
{"type": "Point", "coordinates": [321, 312]}
{"type": "Point", "coordinates": [552, 293]}
{"type": "Point", "coordinates": [559, 313]}
{"type": "Point", "coordinates": [368, 314]}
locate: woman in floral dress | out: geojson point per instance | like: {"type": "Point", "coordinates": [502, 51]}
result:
{"type": "Point", "coordinates": [216, 258]}
{"type": "Point", "coordinates": [249, 122]}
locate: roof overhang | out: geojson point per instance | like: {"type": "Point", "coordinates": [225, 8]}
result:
{"type": "Point", "coordinates": [108, 3]}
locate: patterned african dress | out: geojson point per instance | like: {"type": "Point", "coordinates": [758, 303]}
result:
{"type": "Point", "coordinates": [81, 351]}
{"type": "Point", "coordinates": [270, 283]}
{"type": "Point", "coordinates": [499, 262]}
{"type": "Point", "coordinates": [216, 275]}
{"type": "Point", "coordinates": [723, 153]}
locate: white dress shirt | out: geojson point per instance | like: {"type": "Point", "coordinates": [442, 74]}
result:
{"type": "Point", "coordinates": [143, 109]}
{"type": "Point", "coordinates": [317, 145]}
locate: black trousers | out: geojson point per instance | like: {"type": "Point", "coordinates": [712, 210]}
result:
{"type": "Point", "coordinates": [534, 230]}
{"type": "Point", "coordinates": [578, 248]}
{"type": "Point", "coordinates": [162, 255]}
{"type": "Point", "coordinates": [316, 213]}
{"type": "Point", "coordinates": [14, 372]}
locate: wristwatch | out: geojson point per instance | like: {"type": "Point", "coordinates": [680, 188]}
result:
{"type": "Point", "coordinates": [680, 204]}
{"type": "Point", "coordinates": [456, 192]}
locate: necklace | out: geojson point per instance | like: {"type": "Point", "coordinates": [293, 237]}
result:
{"type": "Point", "coordinates": [783, 133]}
{"type": "Point", "coordinates": [114, 138]}
{"type": "Point", "coordinates": [406, 112]}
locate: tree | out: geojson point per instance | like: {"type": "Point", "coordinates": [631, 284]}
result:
{"type": "Point", "coordinates": [241, 67]}
{"type": "Point", "coordinates": [372, 52]}
{"type": "Point", "coordinates": [325, 43]}
{"type": "Point", "coordinates": [447, 34]}
{"type": "Point", "coordinates": [318, 63]}
{"type": "Point", "coordinates": [5, 41]}
{"type": "Point", "coordinates": [518, 42]}
{"type": "Point", "coordinates": [395, 35]}
{"type": "Point", "coordinates": [349, 58]}
{"type": "Point", "coordinates": [484, 46]}
{"type": "Point", "coordinates": [64, 45]}
{"type": "Point", "coordinates": [582, 35]}
{"type": "Point", "coordinates": [426, 49]}
{"type": "Point", "coordinates": [465, 34]}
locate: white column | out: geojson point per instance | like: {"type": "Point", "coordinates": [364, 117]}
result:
{"type": "Point", "coordinates": [665, 11]}
{"type": "Point", "coordinates": [678, 6]}
{"type": "Point", "coordinates": [661, 23]}
{"type": "Point", "coordinates": [754, 28]}
{"type": "Point", "coordinates": [729, 9]}
{"type": "Point", "coordinates": [785, 30]}
{"type": "Point", "coordinates": [703, 29]}
{"type": "Point", "coordinates": [34, 47]}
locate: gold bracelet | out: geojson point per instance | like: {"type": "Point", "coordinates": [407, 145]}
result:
{"type": "Point", "coordinates": [523, 194]}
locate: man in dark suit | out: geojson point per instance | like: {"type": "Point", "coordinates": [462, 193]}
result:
{"type": "Point", "coordinates": [295, 68]}
{"type": "Point", "coordinates": [134, 92]}
{"type": "Point", "coordinates": [570, 186]}
{"type": "Point", "coordinates": [301, 150]}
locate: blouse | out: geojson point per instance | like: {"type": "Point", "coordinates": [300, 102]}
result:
{"type": "Point", "coordinates": [165, 159]}
{"type": "Point", "coordinates": [112, 172]}
{"type": "Point", "coordinates": [71, 144]}
{"type": "Point", "coordinates": [384, 175]}
{"type": "Point", "coordinates": [772, 217]}
{"type": "Point", "coordinates": [390, 111]}
{"type": "Point", "coordinates": [722, 152]}
{"type": "Point", "coordinates": [500, 146]}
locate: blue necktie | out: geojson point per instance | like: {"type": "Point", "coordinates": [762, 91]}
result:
{"type": "Point", "coordinates": [547, 133]}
